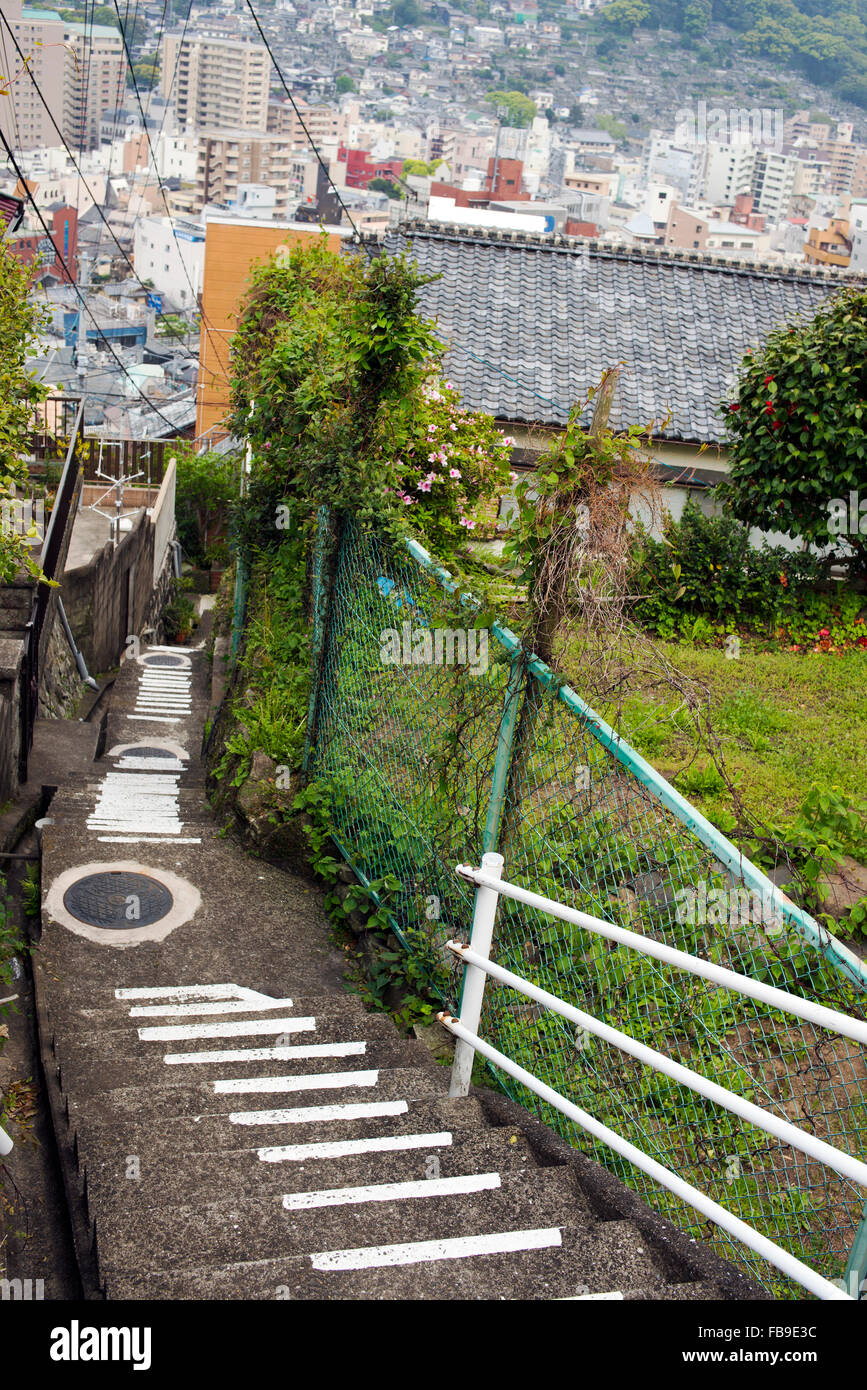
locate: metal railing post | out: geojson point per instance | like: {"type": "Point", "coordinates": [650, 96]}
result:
{"type": "Point", "coordinates": [484, 912]}
{"type": "Point", "coordinates": [6, 1145]}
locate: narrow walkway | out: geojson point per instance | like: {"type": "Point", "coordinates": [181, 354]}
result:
{"type": "Point", "coordinates": [232, 1123]}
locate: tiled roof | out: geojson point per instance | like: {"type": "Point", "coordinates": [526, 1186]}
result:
{"type": "Point", "coordinates": [531, 323]}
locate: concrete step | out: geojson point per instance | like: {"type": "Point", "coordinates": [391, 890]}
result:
{"type": "Point", "coordinates": [595, 1259]}
{"type": "Point", "coordinates": [87, 1017]}
{"type": "Point", "coordinates": [351, 1084]}
{"type": "Point", "coordinates": [232, 1231]}
{"type": "Point", "coordinates": [88, 1070]}
{"type": "Point", "coordinates": [678, 1293]}
{"type": "Point", "coordinates": [16, 600]}
{"type": "Point", "coordinates": [239, 1173]}
{"type": "Point", "coordinates": [231, 1033]}
{"type": "Point", "coordinates": [105, 1130]}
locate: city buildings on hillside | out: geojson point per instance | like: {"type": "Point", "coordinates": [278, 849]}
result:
{"type": "Point", "coordinates": [80, 72]}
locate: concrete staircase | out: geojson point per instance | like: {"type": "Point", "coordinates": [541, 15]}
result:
{"type": "Point", "coordinates": [321, 1160]}
{"type": "Point", "coordinates": [233, 1125]}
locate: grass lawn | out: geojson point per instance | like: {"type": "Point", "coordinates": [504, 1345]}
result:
{"type": "Point", "coordinates": [784, 720]}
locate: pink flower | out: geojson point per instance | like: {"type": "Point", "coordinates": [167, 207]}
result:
{"type": "Point", "coordinates": [431, 458]}
{"type": "Point", "coordinates": [424, 485]}
{"type": "Point", "coordinates": [452, 426]}
{"type": "Point", "coordinates": [465, 521]}
{"type": "Point", "coordinates": [454, 472]}
{"type": "Point", "coordinates": [513, 476]}
{"type": "Point", "coordinates": [406, 500]}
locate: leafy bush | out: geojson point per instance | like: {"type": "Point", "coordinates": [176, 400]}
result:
{"type": "Point", "coordinates": [798, 445]}
{"type": "Point", "coordinates": [704, 579]}
{"type": "Point", "coordinates": [207, 488]}
{"type": "Point", "coordinates": [337, 382]}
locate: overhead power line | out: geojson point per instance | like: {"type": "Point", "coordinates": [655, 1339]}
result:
{"type": "Point", "coordinates": [323, 166]}
{"type": "Point", "coordinates": [83, 302]}
{"type": "Point", "coordinates": [154, 160]}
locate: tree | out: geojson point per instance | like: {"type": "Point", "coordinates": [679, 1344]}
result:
{"type": "Point", "coordinates": [345, 83]}
{"type": "Point", "coordinates": [798, 446]}
{"type": "Point", "coordinates": [520, 109]}
{"type": "Point", "coordinates": [406, 13]}
{"type": "Point", "coordinates": [626, 15]}
{"type": "Point", "coordinates": [385, 186]}
{"type": "Point", "coordinates": [20, 393]}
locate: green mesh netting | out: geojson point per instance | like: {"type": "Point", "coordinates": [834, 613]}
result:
{"type": "Point", "coordinates": [409, 748]}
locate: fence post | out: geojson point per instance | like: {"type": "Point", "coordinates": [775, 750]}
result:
{"type": "Point", "coordinates": [322, 582]}
{"type": "Point", "coordinates": [484, 912]}
{"type": "Point", "coordinates": [505, 741]}
{"type": "Point", "coordinates": [856, 1268]}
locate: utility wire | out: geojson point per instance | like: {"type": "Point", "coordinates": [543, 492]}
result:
{"type": "Point", "coordinates": [121, 87]}
{"type": "Point", "coordinates": [82, 179]}
{"type": "Point", "coordinates": [85, 306]}
{"type": "Point", "coordinates": [156, 167]}
{"type": "Point", "coordinates": [323, 166]}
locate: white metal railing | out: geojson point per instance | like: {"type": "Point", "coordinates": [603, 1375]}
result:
{"type": "Point", "coordinates": [478, 966]}
{"type": "Point", "coordinates": [6, 1145]}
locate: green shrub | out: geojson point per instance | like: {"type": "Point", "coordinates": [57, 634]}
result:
{"type": "Point", "coordinates": [704, 579]}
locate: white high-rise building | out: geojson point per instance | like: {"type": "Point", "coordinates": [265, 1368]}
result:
{"type": "Point", "coordinates": [216, 82]}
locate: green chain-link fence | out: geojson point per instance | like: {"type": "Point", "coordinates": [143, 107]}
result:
{"type": "Point", "coordinates": [441, 741]}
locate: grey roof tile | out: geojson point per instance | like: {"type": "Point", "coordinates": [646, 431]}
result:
{"type": "Point", "coordinates": [531, 325]}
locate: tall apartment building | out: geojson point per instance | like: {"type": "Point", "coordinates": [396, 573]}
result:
{"type": "Point", "coordinates": [96, 81]}
{"type": "Point", "coordinates": [323, 122]}
{"type": "Point", "coordinates": [773, 183]}
{"type": "Point", "coordinates": [728, 171]}
{"type": "Point", "coordinates": [80, 71]}
{"type": "Point", "coordinates": [229, 158]}
{"type": "Point", "coordinates": [216, 82]}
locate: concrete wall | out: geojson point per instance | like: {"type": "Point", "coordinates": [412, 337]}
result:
{"type": "Point", "coordinates": [163, 518]}
{"type": "Point", "coordinates": [109, 598]}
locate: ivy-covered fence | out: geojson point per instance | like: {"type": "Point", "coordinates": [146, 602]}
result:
{"type": "Point", "coordinates": [439, 740]}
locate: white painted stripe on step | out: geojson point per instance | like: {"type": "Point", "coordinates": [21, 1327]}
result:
{"type": "Point", "coordinates": [591, 1297]}
{"type": "Point", "coordinates": [267, 1054]}
{"type": "Point", "coordinates": [325, 1081]}
{"type": "Point", "coordinates": [153, 697]}
{"type": "Point", "coordinates": [148, 840]}
{"type": "Point", "coordinates": [228, 1030]}
{"type": "Point", "coordinates": [391, 1191]}
{"type": "Point", "coordinates": [423, 1251]}
{"type": "Point", "coordinates": [345, 1148]}
{"type": "Point", "coordinates": [146, 764]}
{"type": "Point", "coordinates": [232, 1006]}
{"type": "Point", "coordinates": [125, 786]}
{"type": "Point", "coordinates": [137, 825]}
{"type": "Point", "coordinates": [178, 992]}
{"type": "Point", "coordinates": [316, 1114]}
{"type": "Point", "coordinates": [152, 718]}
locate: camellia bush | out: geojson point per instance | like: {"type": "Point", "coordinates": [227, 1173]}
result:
{"type": "Point", "coordinates": [797, 433]}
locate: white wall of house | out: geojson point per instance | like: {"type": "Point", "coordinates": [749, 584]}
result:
{"type": "Point", "coordinates": [172, 255]}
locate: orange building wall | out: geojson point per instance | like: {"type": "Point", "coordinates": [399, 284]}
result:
{"type": "Point", "coordinates": [231, 251]}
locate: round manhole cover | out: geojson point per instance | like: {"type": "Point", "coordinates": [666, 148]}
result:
{"type": "Point", "coordinates": [162, 659]}
{"type": "Point", "coordinates": [120, 899]}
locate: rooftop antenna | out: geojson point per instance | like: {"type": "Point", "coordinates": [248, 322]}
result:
{"type": "Point", "coordinates": [117, 486]}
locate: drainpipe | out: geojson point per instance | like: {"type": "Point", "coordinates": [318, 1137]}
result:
{"type": "Point", "coordinates": [73, 647]}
